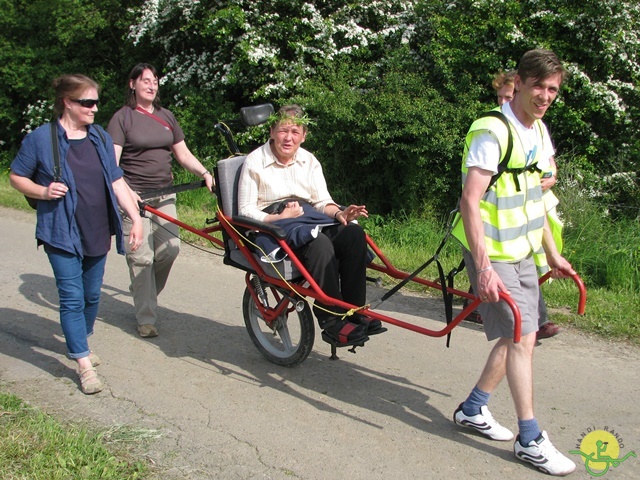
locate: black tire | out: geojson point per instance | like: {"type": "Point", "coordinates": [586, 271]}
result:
{"type": "Point", "coordinates": [290, 342]}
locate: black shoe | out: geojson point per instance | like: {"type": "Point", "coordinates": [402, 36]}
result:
{"type": "Point", "coordinates": [374, 326]}
{"type": "Point", "coordinates": [343, 332]}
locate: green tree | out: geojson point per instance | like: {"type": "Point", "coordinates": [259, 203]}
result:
{"type": "Point", "coordinates": [262, 50]}
{"type": "Point", "coordinates": [393, 84]}
{"type": "Point", "coordinates": [461, 43]}
{"type": "Point", "coordinates": [42, 39]}
{"type": "Point", "coordinates": [389, 142]}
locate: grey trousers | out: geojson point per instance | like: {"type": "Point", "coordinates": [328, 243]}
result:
{"type": "Point", "coordinates": [150, 264]}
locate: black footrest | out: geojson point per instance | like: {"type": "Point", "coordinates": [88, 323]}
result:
{"type": "Point", "coordinates": [357, 343]}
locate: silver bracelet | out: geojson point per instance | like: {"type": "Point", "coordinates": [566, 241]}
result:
{"type": "Point", "coordinates": [484, 270]}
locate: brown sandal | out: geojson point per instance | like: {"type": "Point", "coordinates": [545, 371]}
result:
{"type": "Point", "coordinates": [89, 381]}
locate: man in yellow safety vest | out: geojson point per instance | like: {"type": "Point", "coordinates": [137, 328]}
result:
{"type": "Point", "coordinates": [503, 224]}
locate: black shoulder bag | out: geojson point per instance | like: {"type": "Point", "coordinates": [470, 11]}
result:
{"type": "Point", "coordinates": [33, 203]}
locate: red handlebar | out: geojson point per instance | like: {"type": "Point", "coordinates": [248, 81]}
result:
{"type": "Point", "coordinates": [582, 301]}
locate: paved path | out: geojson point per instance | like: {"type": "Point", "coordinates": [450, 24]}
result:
{"type": "Point", "coordinates": [225, 412]}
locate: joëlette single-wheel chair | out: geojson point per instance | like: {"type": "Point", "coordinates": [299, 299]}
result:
{"type": "Point", "coordinates": [275, 307]}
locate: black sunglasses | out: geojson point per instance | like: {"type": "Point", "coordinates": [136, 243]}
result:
{"type": "Point", "coordinates": [86, 102]}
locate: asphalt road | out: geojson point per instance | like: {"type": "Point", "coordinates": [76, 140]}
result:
{"type": "Point", "coordinates": [224, 412]}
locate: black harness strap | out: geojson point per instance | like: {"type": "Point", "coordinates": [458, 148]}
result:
{"type": "Point", "coordinates": [502, 166]}
{"type": "Point", "coordinates": [445, 280]}
{"type": "Point", "coordinates": [435, 258]}
{"type": "Point", "coordinates": [448, 301]}
{"type": "Point", "coordinates": [517, 171]}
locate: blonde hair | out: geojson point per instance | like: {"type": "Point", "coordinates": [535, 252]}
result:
{"type": "Point", "coordinates": [503, 78]}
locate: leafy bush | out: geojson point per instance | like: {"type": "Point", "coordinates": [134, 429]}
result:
{"type": "Point", "coordinates": [604, 248]}
{"type": "Point", "coordinates": [394, 84]}
{"type": "Point", "coordinates": [385, 143]}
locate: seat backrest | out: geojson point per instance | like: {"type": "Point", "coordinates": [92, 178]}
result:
{"type": "Point", "coordinates": [228, 173]}
{"type": "Point", "coordinates": [229, 170]}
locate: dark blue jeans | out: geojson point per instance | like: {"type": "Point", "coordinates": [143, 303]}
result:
{"type": "Point", "coordinates": [79, 281]}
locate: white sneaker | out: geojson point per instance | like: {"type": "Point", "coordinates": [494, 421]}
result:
{"type": "Point", "coordinates": [483, 423]}
{"type": "Point", "coordinates": [542, 454]}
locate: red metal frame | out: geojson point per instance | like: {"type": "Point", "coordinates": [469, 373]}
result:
{"type": "Point", "coordinates": [582, 300]}
{"type": "Point", "coordinates": [307, 287]}
{"type": "Point", "coordinates": [203, 232]}
{"type": "Point", "coordinates": [269, 315]}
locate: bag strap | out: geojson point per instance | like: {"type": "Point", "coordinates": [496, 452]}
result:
{"type": "Point", "coordinates": [155, 117]}
{"type": "Point", "coordinates": [502, 166]}
{"type": "Point", "coordinates": [55, 150]}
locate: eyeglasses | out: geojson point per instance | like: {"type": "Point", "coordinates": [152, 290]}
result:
{"type": "Point", "coordinates": [86, 102]}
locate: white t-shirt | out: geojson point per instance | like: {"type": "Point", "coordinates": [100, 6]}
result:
{"type": "Point", "coordinates": [484, 150]}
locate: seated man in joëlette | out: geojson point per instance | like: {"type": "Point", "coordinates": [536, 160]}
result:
{"type": "Point", "coordinates": [337, 257]}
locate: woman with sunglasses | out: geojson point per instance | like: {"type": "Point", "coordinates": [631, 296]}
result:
{"type": "Point", "coordinates": [77, 209]}
{"type": "Point", "coordinates": [146, 138]}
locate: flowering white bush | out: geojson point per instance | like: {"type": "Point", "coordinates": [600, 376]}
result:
{"type": "Point", "coordinates": [267, 47]}
{"type": "Point", "coordinates": [36, 115]}
{"type": "Point", "coordinates": [367, 65]}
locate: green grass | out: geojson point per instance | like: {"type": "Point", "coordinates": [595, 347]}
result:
{"type": "Point", "coordinates": [610, 314]}
{"type": "Point", "coordinates": [606, 254]}
{"type": "Point", "coordinates": [10, 197]}
{"type": "Point", "coordinates": [613, 305]}
{"type": "Point", "coordinates": [33, 445]}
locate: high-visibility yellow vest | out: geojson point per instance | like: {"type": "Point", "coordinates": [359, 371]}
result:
{"type": "Point", "coordinates": [555, 225]}
{"type": "Point", "coordinates": [511, 209]}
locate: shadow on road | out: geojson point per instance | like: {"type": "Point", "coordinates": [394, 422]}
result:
{"type": "Point", "coordinates": [227, 350]}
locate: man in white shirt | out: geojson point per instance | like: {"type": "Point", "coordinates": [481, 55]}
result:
{"type": "Point", "coordinates": [504, 223]}
{"type": "Point", "coordinates": [282, 173]}
{"type": "Point", "coordinates": [503, 85]}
